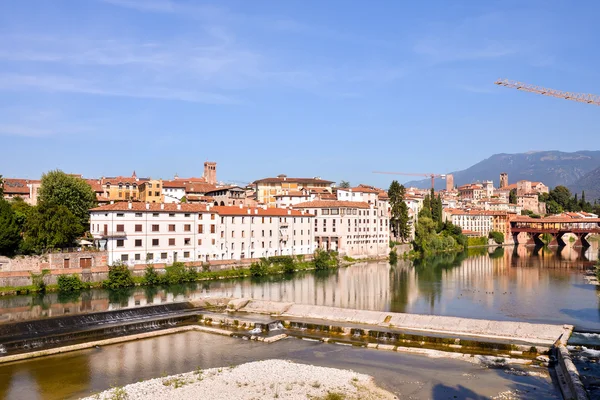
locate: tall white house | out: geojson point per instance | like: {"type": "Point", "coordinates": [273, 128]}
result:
{"type": "Point", "coordinates": [138, 233]}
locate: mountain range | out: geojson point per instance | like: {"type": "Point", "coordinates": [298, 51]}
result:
{"type": "Point", "coordinates": [578, 170]}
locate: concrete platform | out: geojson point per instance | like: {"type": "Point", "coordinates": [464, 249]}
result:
{"type": "Point", "coordinates": [508, 331]}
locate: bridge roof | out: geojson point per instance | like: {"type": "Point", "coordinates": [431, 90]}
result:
{"type": "Point", "coordinates": [559, 219]}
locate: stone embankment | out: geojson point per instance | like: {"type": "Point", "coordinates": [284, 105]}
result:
{"type": "Point", "coordinates": [256, 380]}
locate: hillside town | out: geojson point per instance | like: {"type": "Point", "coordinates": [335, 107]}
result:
{"type": "Point", "coordinates": [200, 219]}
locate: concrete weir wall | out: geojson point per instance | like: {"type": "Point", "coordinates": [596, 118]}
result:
{"type": "Point", "coordinates": [544, 335]}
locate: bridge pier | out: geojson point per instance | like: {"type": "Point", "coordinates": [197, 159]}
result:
{"type": "Point", "coordinates": [537, 240]}
{"type": "Point", "coordinates": [557, 240]}
{"type": "Point", "coordinates": [581, 240]}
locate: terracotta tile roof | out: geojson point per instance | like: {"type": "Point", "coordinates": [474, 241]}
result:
{"type": "Point", "coordinates": [364, 189]}
{"type": "Point", "coordinates": [16, 186]}
{"type": "Point", "coordinates": [332, 203]}
{"type": "Point", "coordinates": [196, 208]}
{"type": "Point", "coordinates": [192, 179]}
{"type": "Point", "coordinates": [95, 184]}
{"type": "Point", "coordinates": [303, 181]}
{"type": "Point", "coordinates": [274, 212]}
{"type": "Point", "coordinates": [232, 187]}
{"type": "Point", "coordinates": [491, 213]}
{"type": "Point", "coordinates": [293, 193]}
{"type": "Point", "coordinates": [198, 187]}
{"type": "Point", "coordinates": [115, 180]}
{"type": "Point", "coordinates": [174, 184]}
{"type": "Point", "coordinates": [199, 198]}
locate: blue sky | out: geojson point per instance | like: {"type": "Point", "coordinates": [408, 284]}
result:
{"type": "Point", "coordinates": [335, 89]}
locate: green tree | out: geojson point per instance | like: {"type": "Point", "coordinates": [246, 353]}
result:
{"type": "Point", "coordinates": [1, 186]}
{"type": "Point", "coordinates": [50, 226]}
{"type": "Point", "coordinates": [10, 233]}
{"type": "Point", "coordinates": [60, 189]}
{"type": "Point", "coordinates": [562, 196]}
{"type": "Point", "coordinates": [22, 210]}
{"type": "Point", "coordinates": [512, 196]}
{"type": "Point", "coordinates": [345, 184]}
{"type": "Point", "coordinates": [552, 207]}
{"type": "Point", "coordinates": [119, 277]}
{"type": "Point", "coordinates": [399, 211]}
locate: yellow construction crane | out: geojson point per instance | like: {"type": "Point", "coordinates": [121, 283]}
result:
{"type": "Point", "coordinates": [580, 97]}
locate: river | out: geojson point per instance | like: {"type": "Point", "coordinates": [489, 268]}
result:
{"type": "Point", "coordinates": [521, 285]}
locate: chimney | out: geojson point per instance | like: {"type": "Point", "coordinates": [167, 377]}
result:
{"type": "Point", "coordinates": [241, 206]}
{"type": "Point", "coordinates": [112, 202]}
{"type": "Point", "coordinates": [129, 205]}
{"type": "Point", "coordinates": [208, 207]}
{"type": "Point", "coordinates": [289, 212]}
{"type": "Point", "coordinates": [162, 206]}
{"type": "Point", "coordinates": [248, 210]}
{"type": "Point", "coordinates": [147, 206]}
{"type": "Point", "coordinates": [178, 206]}
{"type": "Point", "coordinates": [256, 211]}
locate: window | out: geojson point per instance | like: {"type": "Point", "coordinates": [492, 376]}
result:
{"type": "Point", "coordinates": [263, 245]}
{"type": "Point", "coordinates": [155, 214]}
{"type": "Point", "coordinates": [243, 233]}
{"type": "Point", "coordinates": [120, 215]}
{"type": "Point", "coordinates": [85, 262]}
{"type": "Point", "coordinates": [154, 228]}
{"type": "Point", "coordinates": [187, 228]}
{"type": "Point", "coordinates": [163, 256]}
{"type": "Point", "coordinates": [263, 220]}
{"type": "Point", "coordinates": [232, 234]}
{"type": "Point", "coordinates": [213, 229]}
{"type": "Point", "coordinates": [137, 257]}
{"type": "Point", "coordinates": [120, 228]}
{"type": "Point", "coordinates": [154, 242]}
{"type": "Point", "coordinates": [124, 257]}
{"type": "Point", "coordinates": [212, 216]}
{"type": "Point", "coordinates": [233, 220]}
{"type": "Point", "coordinates": [171, 214]}
{"type": "Point", "coordinates": [186, 254]}
{"type": "Point", "coordinates": [270, 232]}
{"type": "Point", "coordinates": [171, 227]}
{"type": "Point", "coordinates": [200, 228]}
{"type": "Point", "coordinates": [335, 211]}
{"type": "Point", "coordinates": [138, 242]}
{"type": "Point", "coordinates": [171, 241]}
{"type": "Point", "coordinates": [187, 241]}
{"type": "Point", "coordinates": [222, 234]}
{"type": "Point", "coordinates": [214, 241]}
{"type": "Point", "coordinates": [138, 228]}
{"type": "Point", "coordinates": [199, 242]}
{"type": "Point", "coordinates": [325, 211]}
{"type": "Point", "coordinates": [66, 263]}
{"type": "Point", "coordinates": [138, 215]}
{"type": "Point", "coordinates": [158, 194]}
{"type": "Point", "coordinates": [186, 215]}
{"type": "Point", "coordinates": [150, 256]}
{"type": "Point", "coordinates": [120, 243]}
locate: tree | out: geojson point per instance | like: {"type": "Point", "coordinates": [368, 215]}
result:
{"type": "Point", "coordinates": [22, 210]}
{"type": "Point", "coordinates": [10, 234]}
{"type": "Point", "coordinates": [60, 189]}
{"type": "Point", "coordinates": [562, 196]}
{"type": "Point", "coordinates": [512, 196]}
{"type": "Point", "coordinates": [552, 207]}
{"type": "Point", "coordinates": [399, 211]}
{"type": "Point", "coordinates": [1, 186]}
{"type": "Point", "coordinates": [345, 184]}
{"type": "Point", "coordinates": [50, 226]}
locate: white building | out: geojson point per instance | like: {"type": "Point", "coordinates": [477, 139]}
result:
{"type": "Point", "coordinates": [173, 191]}
{"type": "Point", "coordinates": [164, 233]}
{"type": "Point", "coordinates": [350, 227]}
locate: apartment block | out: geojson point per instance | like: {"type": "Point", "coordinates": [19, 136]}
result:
{"type": "Point", "coordinates": [268, 188]}
{"type": "Point", "coordinates": [138, 233]}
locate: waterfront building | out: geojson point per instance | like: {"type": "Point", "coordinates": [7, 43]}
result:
{"type": "Point", "coordinates": [479, 222]}
{"type": "Point", "coordinates": [267, 188]}
{"type": "Point", "coordinates": [140, 233]}
{"type": "Point", "coordinates": [353, 228]}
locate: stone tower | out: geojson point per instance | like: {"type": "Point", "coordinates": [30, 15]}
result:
{"type": "Point", "coordinates": [449, 182]}
{"type": "Point", "coordinates": [210, 172]}
{"type": "Point", "coordinates": [503, 180]}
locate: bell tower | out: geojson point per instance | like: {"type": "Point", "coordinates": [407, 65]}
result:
{"type": "Point", "coordinates": [210, 172]}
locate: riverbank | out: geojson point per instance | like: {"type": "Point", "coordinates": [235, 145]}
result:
{"type": "Point", "coordinates": [235, 272]}
{"type": "Point", "coordinates": [255, 380]}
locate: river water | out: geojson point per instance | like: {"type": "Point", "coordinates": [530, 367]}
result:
{"type": "Point", "coordinates": [521, 285]}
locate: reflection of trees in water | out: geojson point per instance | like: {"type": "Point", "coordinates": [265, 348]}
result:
{"type": "Point", "coordinates": [430, 273]}
{"type": "Point", "coordinates": [399, 287]}
{"type": "Point", "coordinates": [497, 253]}
{"type": "Point", "coordinates": [120, 297]}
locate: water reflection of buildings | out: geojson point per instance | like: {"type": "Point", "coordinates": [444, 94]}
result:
{"type": "Point", "coordinates": [500, 281]}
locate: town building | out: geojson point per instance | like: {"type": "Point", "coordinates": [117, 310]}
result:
{"type": "Point", "coordinates": [158, 233]}
{"type": "Point", "coordinates": [472, 191]}
{"type": "Point", "coordinates": [449, 183]}
{"type": "Point", "coordinates": [230, 196]}
{"type": "Point", "coordinates": [353, 228]}
{"type": "Point", "coordinates": [122, 188]}
{"type": "Point", "coordinates": [173, 191]}
{"type": "Point", "coordinates": [503, 180]}
{"type": "Point", "coordinates": [267, 188]}
{"type": "Point", "coordinates": [289, 198]}
{"type": "Point", "coordinates": [479, 222]}
{"type": "Point", "coordinates": [26, 189]}
{"type": "Point", "coordinates": [151, 191]}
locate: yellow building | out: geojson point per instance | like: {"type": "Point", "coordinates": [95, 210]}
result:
{"type": "Point", "coordinates": [268, 188]}
{"type": "Point", "coordinates": [151, 191]}
{"type": "Point", "coordinates": [122, 188]}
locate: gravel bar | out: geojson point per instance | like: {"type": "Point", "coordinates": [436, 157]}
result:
{"type": "Point", "coordinates": [256, 380]}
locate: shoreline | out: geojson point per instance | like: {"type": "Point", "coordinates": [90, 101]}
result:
{"type": "Point", "coordinates": [272, 378]}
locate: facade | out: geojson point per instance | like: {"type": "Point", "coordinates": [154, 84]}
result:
{"type": "Point", "coordinates": [140, 233]}
{"type": "Point", "coordinates": [122, 188]}
{"type": "Point", "coordinates": [210, 172]}
{"type": "Point", "coordinates": [479, 222]}
{"type": "Point", "coordinates": [290, 198]}
{"type": "Point", "coordinates": [229, 196]}
{"type": "Point", "coordinates": [530, 201]}
{"type": "Point", "coordinates": [472, 191]}
{"type": "Point", "coordinates": [151, 191]}
{"type": "Point", "coordinates": [267, 188]}
{"type": "Point", "coordinates": [173, 191]}
{"type": "Point", "coordinates": [349, 227]}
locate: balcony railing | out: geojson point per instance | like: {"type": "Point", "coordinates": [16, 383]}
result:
{"type": "Point", "coordinates": [115, 234]}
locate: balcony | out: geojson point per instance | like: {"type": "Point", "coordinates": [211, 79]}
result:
{"type": "Point", "coordinates": [108, 235]}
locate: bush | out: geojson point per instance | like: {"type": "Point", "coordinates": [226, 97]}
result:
{"type": "Point", "coordinates": [37, 280]}
{"type": "Point", "coordinates": [477, 241]}
{"type": "Point", "coordinates": [151, 277]}
{"type": "Point", "coordinates": [325, 260]}
{"type": "Point", "coordinates": [70, 283]}
{"type": "Point", "coordinates": [260, 268]}
{"type": "Point", "coordinates": [179, 273]}
{"type": "Point", "coordinates": [119, 276]}
{"type": "Point", "coordinates": [287, 263]}
{"type": "Point", "coordinates": [498, 237]}
{"type": "Point", "coordinates": [393, 257]}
